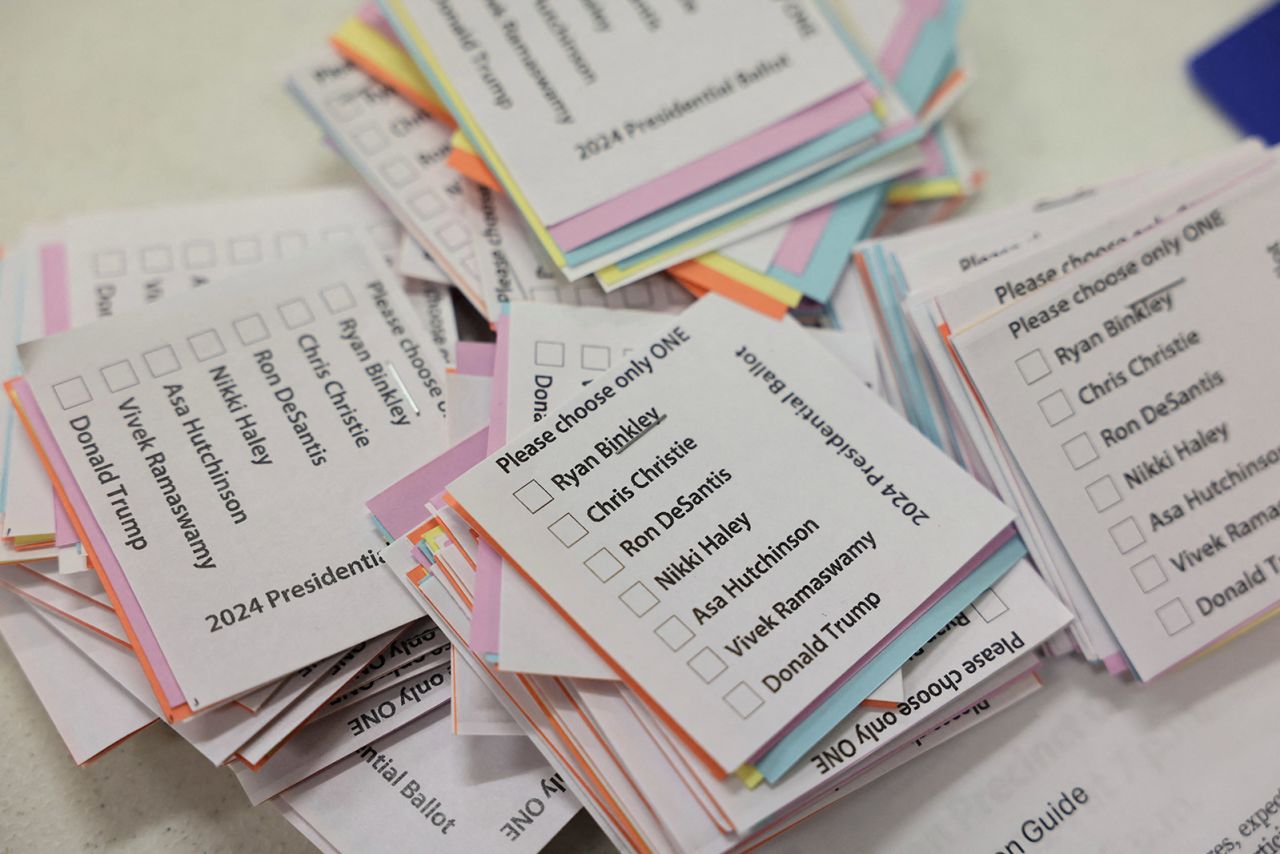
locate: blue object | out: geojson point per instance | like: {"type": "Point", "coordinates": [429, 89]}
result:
{"type": "Point", "coordinates": [1241, 74]}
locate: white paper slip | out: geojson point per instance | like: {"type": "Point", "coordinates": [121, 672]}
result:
{"type": "Point", "coordinates": [973, 654]}
{"type": "Point", "coordinates": [91, 711]}
{"type": "Point", "coordinates": [255, 751]}
{"type": "Point", "coordinates": [582, 103]}
{"type": "Point", "coordinates": [1134, 397]}
{"type": "Point", "coordinates": [446, 793]}
{"type": "Point", "coordinates": [435, 310]}
{"type": "Point", "coordinates": [1091, 765]}
{"type": "Point", "coordinates": [476, 711]}
{"type": "Point", "coordinates": [405, 659]}
{"type": "Point", "coordinates": [413, 262]}
{"type": "Point", "coordinates": [323, 742]}
{"type": "Point", "coordinates": [514, 268]}
{"type": "Point", "coordinates": [511, 692]}
{"type": "Point", "coordinates": [981, 712]}
{"type": "Point", "coordinates": [115, 660]}
{"type": "Point", "coordinates": [28, 497]}
{"type": "Point", "coordinates": [308, 832]}
{"type": "Point", "coordinates": [552, 352]}
{"type": "Point", "coordinates": [400, 151]}
{"type": "Point", "coordinates": [203, 436]}
{"type": "Point", "coordinates": [118, 261]}
{"type": "Point", "coordinates": [661, 554]}
{"type": "Point", "coordinates": [31, 510]}
{"type": "Point", "coordinates": [219, 733]}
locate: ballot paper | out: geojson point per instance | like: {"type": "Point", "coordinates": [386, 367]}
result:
{"type": "Point", "coordinates": [434, 308]}
{"type": "Point", "coordinates": [203, 433]}
{"type": "Point", "coordinates": [976, 649]}
{"type": "Point", "coordinates": [330, 738]}
{"type": "Point", "coordinates": [111, 658]}
{"type": "Point", "coordinates": [1089, 765]}
{"type": "Point", "coordinates": [113, 262]}
{"type": "Point", "coordinates": [551, 353]}
{"type": "Point", "coordinates": [842, 160]}
{"type": "Point", "coordinates": [583, 105]}
{"type": "Point", "coordinates": [62, 678]}
{"type": "Point", "coordinates": [400, 152]}
{"type": "Point", "coordinates": [66, 603]}
{"type": "Point", "coordinates": [443, 792]}
{"type": "Point", "coordinates": [746, 679]}
{"type": "Point", "coordinates": [413, 262]}
{"type": "Point", "coordinates": [514, 268]}
{"type": "Point", "coordinates": [952, 276]}
{"type": "Point", "coordinates": [1136, 408]}
{"type": "Point", "coordinates": [672, 812]}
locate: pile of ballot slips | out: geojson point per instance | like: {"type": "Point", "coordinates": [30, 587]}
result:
{"type": "Point", "coordinates": [638, 439]}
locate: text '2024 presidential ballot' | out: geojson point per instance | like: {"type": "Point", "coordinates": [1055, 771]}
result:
{"type": "Point", "coordinates": [221, 442]}
{"type": "Point", "coordinates": [729, 527]}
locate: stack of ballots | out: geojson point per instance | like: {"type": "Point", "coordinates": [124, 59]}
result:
{"type": "Point", "coordinates": [532, 477]}
{"type": "Point", "coordinates": [1075, 355]}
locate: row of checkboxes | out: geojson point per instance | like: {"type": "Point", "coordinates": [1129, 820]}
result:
{"type": "Point", "coordinates": [400, 172]}
{"type": "Point", "coordinates": [203, 254]}
{"type": "Point", "coordinates": [1103, 494]}
{"type": "Point", "coordinates": [640, 600]}
{"type": "Point", "coordinates": [205, 345]}
{"type": "Point", "coordinates": [551, 354]}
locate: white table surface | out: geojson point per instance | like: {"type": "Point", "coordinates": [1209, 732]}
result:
{"type": "Point", "coordinates": [123, 103]}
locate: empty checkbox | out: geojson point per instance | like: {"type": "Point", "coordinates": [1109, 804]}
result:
{"type": "Point", "coordinates": [1103, 493]}
{"type": "Point", "coordinates": [198, 254]}
{"type": "Point", "coordinates": [1173, 616]}
{"type": "Point", "coordinates": [707, 665]}
{"type": "Point", "coordinates": [1149, 574]}
{"type": "Point", "coordinates": [453, 236]}
{"type": "Point", "coordinates": [604, 564]}
{"type": "Point", "coordinates": [290, 244]}
{"type": "Point", "coordinates": [989, 606]}
{"type": "Point", "coordinates": [119, 376]}
{"type": "Point", "coordinates": [157, 259]}
{"type": "Point", "coordinates": [595, 357]}
{"type": "Point", "coordinates": [244, 250]}
{"type": "Point", "coordinates": [72, 393]}
{"type": "Point", "coordinates": [251, 329]}
{"type": "Point", "coordinates": [109, 263]}
{"type": "Point", "coordinates": [295, 313]}
{"type": "Point", "coordinates": [743, 699]}
{"type": "Point", "coordinates": [1080, 451]}
{"type": "Point", "coordinates": [532, 496]}
{"type": "Point", "coordinates": [674, 633]}
{"type": "Point", "coordinates": [370, 140]}
{"type": "Point", "coordinates": [398, 171]}
{"type": "Point", "coordinates": [426, 204]}
{"type": "Point", "coordinates": [338, 298]}
{"type": "Point", "coordinates": [1126, 535]}
{"type": "Point", "coordinates": [548, 354]}
{"type": "Point", "coordinates": [472, 266]}
{"type": "Point", "coordinates": [567, 530]}
{"type": "Point", "coordinates": [638, 297]}
{"type": "Point", "coordinates": [639, 599]}
{"type": "Point", "coordinates": [1056, 408]}
{"type": "Point", "coordinates": [161, 361]}
{"type": "Point", "coordinates": [206, 345]}
{"type": "Point", "coordinates": [337, 234]}
{"type": "Point", "coordinates": [1033, 367]}
{"type": "Point", "coordinates": [545, 294]}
